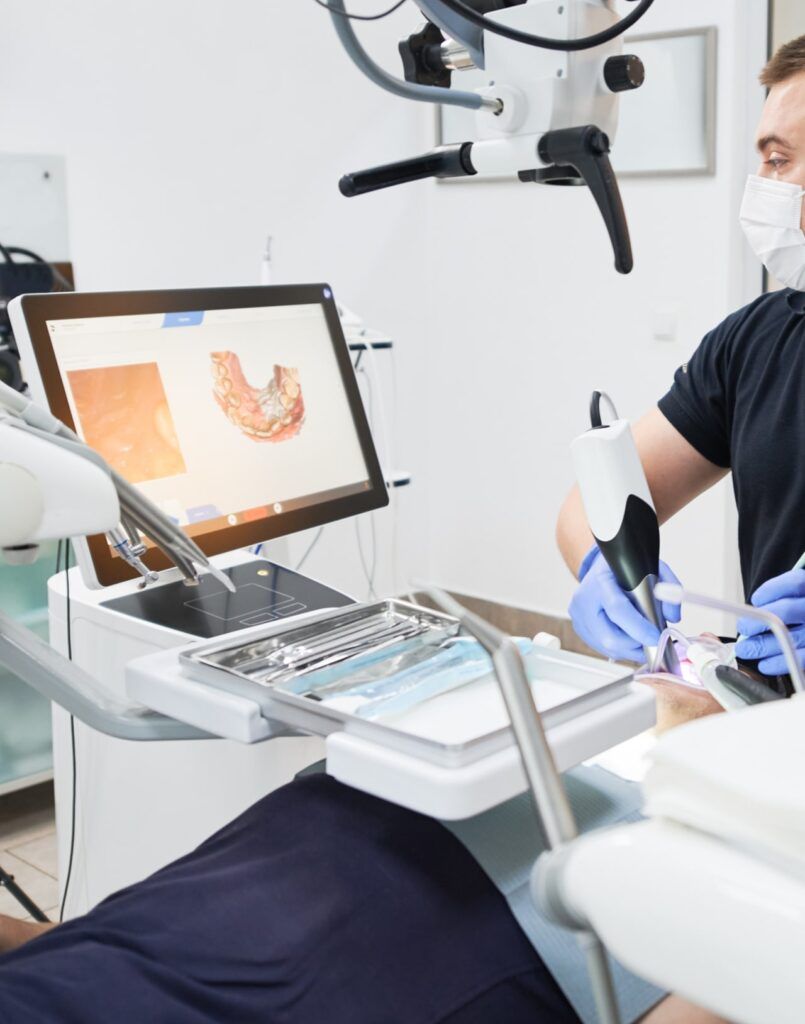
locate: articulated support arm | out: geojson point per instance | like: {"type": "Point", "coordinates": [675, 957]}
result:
{"type": "Point", "coordinates": [63, 682]}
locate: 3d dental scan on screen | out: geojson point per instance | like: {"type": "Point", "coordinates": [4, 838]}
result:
{"type": "Point", "coordinates": [290, 733]}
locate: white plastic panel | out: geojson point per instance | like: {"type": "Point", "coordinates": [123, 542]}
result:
{"type": "Point", "coordinates": [608, 471]}
{"type": "Point", "coordinates": [442, 790]}
{"type": "Point", "coordinates": [453, 793]}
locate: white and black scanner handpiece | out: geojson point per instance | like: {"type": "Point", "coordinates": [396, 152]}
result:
{"type": "Point", "coordinates": [620, 512]}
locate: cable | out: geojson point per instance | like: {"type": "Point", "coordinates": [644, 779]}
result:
{"type": "Point", "coordinates": [395, 540]}
{"type": "Point", "coordinates": [396, 86]}
{"type": "Point", "coordinates": [373, 570]}
{"type": "Point", "coordinates": [595, 408]}
{"type": "Point", "coordinates": [72, 738]}
{"type": "Point", "coordinates": [369, 574]}
{"type": "Point", "coordinates": [566, 45]}
{"type": "Point", "coordinates": [360, 17]}
{"type": "Point", "coordinates": [371, 592]}
{"type": "Point", "coordinates": [312, 545]}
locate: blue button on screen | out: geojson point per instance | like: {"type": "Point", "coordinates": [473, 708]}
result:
{"type": "Point", "coordinates": [190, 319]}
{"type": "Point", "coordinates": [202, 512]}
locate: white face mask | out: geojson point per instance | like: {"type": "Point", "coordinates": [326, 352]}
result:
{"type": "Point", "coordinates": [771, 216]}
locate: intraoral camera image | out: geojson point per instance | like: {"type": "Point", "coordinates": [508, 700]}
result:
{"type": "Point", "coordinates": [124, 414]}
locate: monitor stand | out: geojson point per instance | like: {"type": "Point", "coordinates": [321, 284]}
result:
{"type": "Point", "coordinates": [265, 593]}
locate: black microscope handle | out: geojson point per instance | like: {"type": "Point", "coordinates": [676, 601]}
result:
{"type": "Point", "coordinates": [587, 149]}
{"type": "Point", "coordinates": [445, 162]}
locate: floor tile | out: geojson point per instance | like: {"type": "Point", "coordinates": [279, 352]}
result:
{"type": "Point", "coordinates": [41, 853]}
{"type": "Point", "coordinates": [41, 888]}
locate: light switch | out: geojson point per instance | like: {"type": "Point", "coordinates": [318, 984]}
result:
{"type": "Point", "coordinates": [665, 323]}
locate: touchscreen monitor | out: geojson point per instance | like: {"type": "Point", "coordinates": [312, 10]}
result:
{"type": "Point", "coordinates": [235, 410]}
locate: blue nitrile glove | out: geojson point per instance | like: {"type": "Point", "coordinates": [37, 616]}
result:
{"type": "Point", "coordinates": [784, 596]}
{"type": "Point", "coordinates": [605, 618]}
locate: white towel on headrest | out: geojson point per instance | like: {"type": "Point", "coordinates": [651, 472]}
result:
{"type": "Point", "coordinates": [739, 776]}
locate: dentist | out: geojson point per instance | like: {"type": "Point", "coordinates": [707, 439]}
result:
{"type": "Point", "coordinates": [737, 406]}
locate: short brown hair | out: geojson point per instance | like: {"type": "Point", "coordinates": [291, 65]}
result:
{"type": "Point", "coordinates": [787, 62]}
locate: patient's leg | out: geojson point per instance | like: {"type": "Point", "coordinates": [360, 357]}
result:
{"type": "Point", "coordinates": [675, 1010]}
{"type": "Point", "coordinates": [318, 904]}
{"type": "Point", "coordinates": [14, 933]}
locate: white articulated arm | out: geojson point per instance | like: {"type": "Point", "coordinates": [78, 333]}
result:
{"type": "Point", "coordinates": [52, 487]}
{"type": "Point", "coordinates": [48, 490]}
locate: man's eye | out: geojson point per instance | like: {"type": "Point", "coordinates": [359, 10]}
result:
{"type": "Point", "coordinates": [776, 163]}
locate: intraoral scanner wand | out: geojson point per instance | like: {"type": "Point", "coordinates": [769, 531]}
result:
{"type": "Point", "coordinates": [621, 513]}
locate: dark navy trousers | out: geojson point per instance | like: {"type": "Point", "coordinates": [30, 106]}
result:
{"type": "Point", "coordinates": [320, 905]}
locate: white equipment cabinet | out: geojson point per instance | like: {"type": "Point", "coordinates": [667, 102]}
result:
{"type": "Point", "coordinates": [141, 805]}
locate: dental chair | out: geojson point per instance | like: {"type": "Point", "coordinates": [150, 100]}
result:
{"type": "Point", "coordinates": [705, 898]}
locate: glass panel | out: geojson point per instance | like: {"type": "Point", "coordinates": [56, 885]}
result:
{"type": "Point", "coordinates": [25, 746]}
{"type": "Point", "coordinates": [25, 743]}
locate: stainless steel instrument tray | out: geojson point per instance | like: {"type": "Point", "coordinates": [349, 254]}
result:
{"type": "Point", "coordinates": [453, 729]}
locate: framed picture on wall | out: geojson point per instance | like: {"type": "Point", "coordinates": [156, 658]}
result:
{"type": "Point", "coordinates": [666, 127]}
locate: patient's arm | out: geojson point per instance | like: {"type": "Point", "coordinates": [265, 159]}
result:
{"type": "Point", "coordinates": [14, 933]}
{"type": "Point", "coordinates": [675, 1010]}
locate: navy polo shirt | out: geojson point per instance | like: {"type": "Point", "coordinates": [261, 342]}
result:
{"type": "Point", "coordinates": [740, 401]}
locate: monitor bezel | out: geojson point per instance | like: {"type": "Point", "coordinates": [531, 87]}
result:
{"type": "Point", "coordinates": [39, 309]}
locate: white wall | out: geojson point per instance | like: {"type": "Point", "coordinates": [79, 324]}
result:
{"type": "Point", "coordinates": [192, 129]}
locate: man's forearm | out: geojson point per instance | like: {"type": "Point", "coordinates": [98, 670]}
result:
{"type": "Point", "coordinates": [572, 532]}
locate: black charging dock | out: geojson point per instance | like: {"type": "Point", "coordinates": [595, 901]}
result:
{"type": "Point", "coordinates": [265, 593]}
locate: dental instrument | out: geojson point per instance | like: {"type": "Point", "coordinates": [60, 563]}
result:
{"type": "Point", "coordinates": [677, 593]}
{"type": "Point", "coordinates": [306, 649]}
{"type": "Point", "coordinates": [707, 657]}
{"type": "Point", "coordinates": [621, 514]}
{"type": "Point", "coordinates": [747, 689]}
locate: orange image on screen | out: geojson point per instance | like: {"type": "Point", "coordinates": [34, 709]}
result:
{"type": "Point", "coordinates": [275, 412]}
{"type": "Point", "coordinates": [124, 415]}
